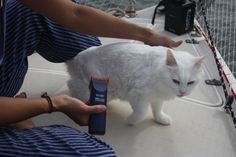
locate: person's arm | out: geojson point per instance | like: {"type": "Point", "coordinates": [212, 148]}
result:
{"type": "Point", "coordinates": [14, 110]}
{"type": "Point", "coordinates": [92, 21]}
{"type": "Point", "coordinates": [17, 109]}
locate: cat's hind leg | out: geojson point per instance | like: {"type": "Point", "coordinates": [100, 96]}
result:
{"type": "Point", "coordinates": [140, 109]}
{"type": "Point", "coordinates": [159, 115]}
{"type": "Point", "coordinates": [79, 89]}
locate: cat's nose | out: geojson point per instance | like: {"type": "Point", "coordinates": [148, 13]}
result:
{"type": "Point", "coordinates": [181, 93]}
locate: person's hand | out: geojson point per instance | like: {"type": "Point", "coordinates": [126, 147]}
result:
{"type": "Point", "coordinates": [160, 40]}
{"type": "Point", "coordinates": [78, 111]}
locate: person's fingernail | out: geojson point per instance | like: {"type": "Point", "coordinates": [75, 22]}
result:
{"type": "Point", "coordinates": [180, 42]}
{"type": "Point", "coordinates": [102, 107]}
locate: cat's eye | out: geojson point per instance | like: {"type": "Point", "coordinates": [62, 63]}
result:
{"type": "Point", "coordinates": [175, 81]}
{"type": "Point", "coordinates": [190, 83]}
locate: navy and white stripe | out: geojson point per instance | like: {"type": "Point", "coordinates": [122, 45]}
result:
{"type": "Point", "coordinates": [27, 32]}
{"type": "Point", "coordinates": [24, 33]}
{"type": "Point", "coordinates": [3, 29]}
{"type": "Point", "coordinates": [51, 141]}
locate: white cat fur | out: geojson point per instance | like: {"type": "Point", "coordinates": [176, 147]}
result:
{"type": "Point", "coordinates": [139, 74]}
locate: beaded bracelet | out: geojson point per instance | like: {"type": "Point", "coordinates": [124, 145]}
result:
{"type": "Point", "coordinates": [49, 100]}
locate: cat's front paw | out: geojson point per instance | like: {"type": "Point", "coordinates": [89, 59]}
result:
{"type": "Point", "coordinates": [134, 119]}
{"type": "Point", "coordinates": [163, 119]}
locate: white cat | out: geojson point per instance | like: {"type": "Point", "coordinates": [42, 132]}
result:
{"type": "Point", "coordinates": [139, 74]}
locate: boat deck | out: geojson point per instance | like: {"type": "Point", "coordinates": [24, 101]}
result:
{"type": "Point", "coordinates": [200, 127]}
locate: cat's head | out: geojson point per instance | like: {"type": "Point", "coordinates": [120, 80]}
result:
{"type": "Point", "coordinates": [183, 70]}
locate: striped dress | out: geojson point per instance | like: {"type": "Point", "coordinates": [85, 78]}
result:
{"type": "Point", "coordinates": [24, 32]}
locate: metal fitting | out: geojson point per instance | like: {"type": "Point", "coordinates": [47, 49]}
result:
{"type": "Point", "coordinates": [131, 10]}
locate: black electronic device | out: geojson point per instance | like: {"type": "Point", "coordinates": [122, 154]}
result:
{"type": "Point", "coordinates": [179, 16]}
{"type": "Point", "coordinates": [98, 96]}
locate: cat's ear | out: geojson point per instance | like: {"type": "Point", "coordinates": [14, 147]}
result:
{"type": "Point", "coordinates": [199, 61]}
{"type": "Point", "coordinates": [170, 59]}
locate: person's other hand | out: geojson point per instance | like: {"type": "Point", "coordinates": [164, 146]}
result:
{"type": "Point", "coordinates": [160, 40]}
{"type": "Point", "coordinates": [77, 110]}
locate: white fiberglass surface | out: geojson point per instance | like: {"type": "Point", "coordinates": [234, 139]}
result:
{"type": "Point", "coordinates": [44, 76]}
{"type": "Point", "coordinates": [195, 131]}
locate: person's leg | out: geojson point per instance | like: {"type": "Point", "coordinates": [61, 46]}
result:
{"type": "Point", "coordinates": [22, 36]}
{"type": "Point", "coordinates": [59, 44]}
{"type": "Point", "coordinates": [54, 140]}
{"type": "Point", "coordinates": [27, 32]}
